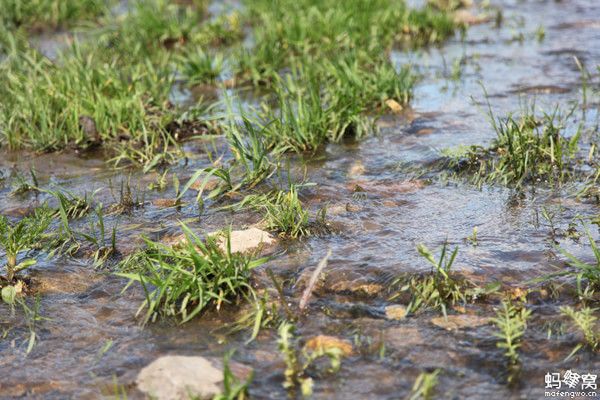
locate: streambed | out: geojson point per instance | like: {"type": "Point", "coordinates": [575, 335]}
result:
{"type": "Point", "coordinates": [90, 337]}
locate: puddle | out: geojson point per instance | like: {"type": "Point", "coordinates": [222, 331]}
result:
{"type": "Point", "coordinates": [376, 243]}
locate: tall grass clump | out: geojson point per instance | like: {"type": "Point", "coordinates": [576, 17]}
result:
{"type": "Point", "coordinates": [287, 31]}
{"type": "Point", "coordinates": [156, 28]}
{"type": "Point", "coordinates": [50, 14]}
{"type": "Point", "coordinates": [303, 119]}
{"type": "Point", "coordinates": [251, 166]}
{"type": "Point", "coordinates": [283, 212]}
{"type": "Point", "coordinates": [370, 83]}
{"type": "Point", "coordinates": [82, 102]}
{"type": "Point", "coordinates": [183, 280]}
{"type": "Point", "coordinates": [527, 149]}
{"type": "Point", "coordinates": [336, 100]}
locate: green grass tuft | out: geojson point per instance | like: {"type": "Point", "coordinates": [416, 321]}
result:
{"type": "Point", "coordinates": [184, 280]}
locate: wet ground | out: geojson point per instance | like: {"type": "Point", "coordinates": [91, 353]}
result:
{"type": "Point", "coordinates": [374, 239]}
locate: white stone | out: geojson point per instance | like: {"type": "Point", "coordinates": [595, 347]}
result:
{"type": "Point", "coordinates": [245, 240]}
{"type": "Point", "coordinates": [180, 378]}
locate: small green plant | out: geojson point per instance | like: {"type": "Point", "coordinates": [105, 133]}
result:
{"type": "Point", "coordinates": [285, 214]}
{"type": "Point", "coordinates": [103, 246]}
{"type": "Point", "coordinates": [160, 183]}
{"type": "Point", "coordinates": [262, 314]}
{"type": "Point", "coordinates": [22, 185]}
{"type": "Point", "coordinates": [297, 362]}
{"type": "Point", "coordinates": [251, 166]}
{"type": "Point", "coordinates": [183, 280]}
{"type": "Point", "coordinates": [126, 201]}
{"type": "Point", "coordinates": [586, 321]}
{"type": "Point", "coordinates": [233, 388]}
{"type": "Point", "coordinates": [22, 237]}
{"type": "Point", "coordinates": [424, 386]}
{"type": "Point", "coordinates": [511, 322]}
{"type": "Point", "coordinates": [527, 149]}
{"type": "Point", "coordinates": [440, 288]}
{"type": "Point", "coordinates": [583, 272]}
{"type": "Point", "coordinates": [473, 238]}
{"type": "Point", "coordinates": [200, 67]}
{"type": "Point", "coordinates": [72, 205]}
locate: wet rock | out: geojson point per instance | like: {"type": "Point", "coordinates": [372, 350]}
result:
{"type": "Point", "coordinates": [394, 106]}
{"type": "Point", "coordinates": [246, 240]}
{"type": "Point", "coordinates": [65, 282]}
{"type": "Point", "coordinates": [181, 130]}
{"type": "Point", "coordinates": [88, 126]}
{"type": "Point", "coordinates": [403, 336]}
{"type": "Point", "coordinates": [425, 131]}
{"type": "Point", "coordinates": [455, 322]}
{"type": "Point", "coordinates": [31, 389]}
{"type": "Point", "coordinates": [395, 311]}
{"type": "Point", "coordinates": [336, 209]}
{"type": "Point", "coordinates": [184, 377]}
{"type": "Point", "coordinates": [18, 212]}
{"type": "Point", "coordinates": [468, 18]}
{"type": "Point", "coordinates": [356, 169]}
{"type": "Point", "coordinates": [324, 342]}
{"type": "Point", "coordinates": [164, 203]}
{"type": "Point", "coordinates": [241, 241]}
{"type": "Point", "coordinates": [357, 287]}
{"type": "Point", "coordinates": [351, 207]}
{"type": "Point", "coordinates": [386, 189]}
{"type": "Point", "coordinates": [343, 208]}
{"type": "Point", "coordinates": [209, 185]}
{"type": "Point", "coordinates": [174, 240]}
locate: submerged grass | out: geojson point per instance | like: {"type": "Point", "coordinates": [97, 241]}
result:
{"type": "Point", "coordinates": [298, 361]}
{"type": "Point", "coordinates": [440, 288]}
{"type": "Point", "coordinates": [527, 149]}
{"type": "Point", "coordinates": [586, 274]}
{"type": "Point", "coordinates": [511, 322]}
{"type": "Point", "coordinates": [18, 238]}
{"type": "Point", "coordinates": [183, 280]}
{"type": "Point", "coordinates": [586, 321]}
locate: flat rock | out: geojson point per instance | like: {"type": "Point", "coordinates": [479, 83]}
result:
{"type": "Point", "coordinates": [325, 342]}
{"type": "Point", "coordinates": [356, 287]}
{"type": "Point", "coordinates": [182, 377]}
{"type": "Point", "coordinates": [165, 203]}
{"type": "Point", "coordinates": [455, 322]}
{"type": "Point", "coordinates": [356, 169]}
{"type": "Point", "coordinates": [207, 186]}
{"type": "Point", "coordinates": [468, 18]}
{"type": "Point", "coordinates": [395, 311]}
{"type": "Point", "coordinates": [394, 106]}
{"type": "Point", "coordinates": [65, 282]}
{"type": "Point", "coordinates": [403, 336]}
{"type": "Point", "coordinates": [246, 240]}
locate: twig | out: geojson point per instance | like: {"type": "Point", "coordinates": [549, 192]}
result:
{"type": "Point", "coordinates": [313, 281]}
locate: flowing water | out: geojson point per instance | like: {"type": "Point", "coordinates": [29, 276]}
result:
{"type": "Point", "coordinates": [373, 241]}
